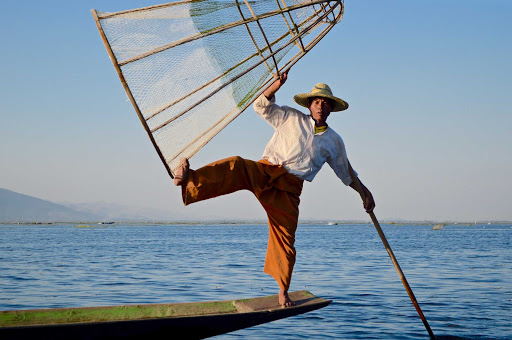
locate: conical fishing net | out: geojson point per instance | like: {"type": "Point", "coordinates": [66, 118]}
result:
{"type": "Point", "coordinates": [191, 67]}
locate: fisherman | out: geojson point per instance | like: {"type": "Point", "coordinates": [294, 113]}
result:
{"type": "Point", "coordinates": [301, 144]}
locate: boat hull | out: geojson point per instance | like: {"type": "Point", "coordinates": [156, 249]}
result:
{"type": "Point", "coordinates": [208, 319]}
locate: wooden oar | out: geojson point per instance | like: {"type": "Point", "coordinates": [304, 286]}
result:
{"type": "Point", "coordinates": [390, 253]}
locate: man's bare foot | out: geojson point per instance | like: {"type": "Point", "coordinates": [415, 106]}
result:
{"type": "Point", "coordinates": [284, 299]}
{"type": "Point", "coordinates": [181, 175]}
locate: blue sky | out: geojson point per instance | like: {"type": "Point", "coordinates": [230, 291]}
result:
{"type": "Point", "coordinates": [428, 83]}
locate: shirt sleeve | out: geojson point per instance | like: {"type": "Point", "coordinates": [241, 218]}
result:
{"type": "Point", "coordinates": [270, 111]}
{"type": "Point", "coordinates": [338, 160]}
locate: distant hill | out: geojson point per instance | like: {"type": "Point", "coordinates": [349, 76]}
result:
{"type": "Point", "coordinates": [16, 207]}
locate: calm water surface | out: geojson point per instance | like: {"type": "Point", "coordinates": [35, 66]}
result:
{"type": "Point", "coordinates": [461, 275]}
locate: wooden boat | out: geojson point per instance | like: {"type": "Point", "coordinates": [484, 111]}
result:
{"type": "Point", "coordinates": [181, 320]}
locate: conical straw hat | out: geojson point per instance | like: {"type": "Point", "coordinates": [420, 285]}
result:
{"type": "Point", "coordinates": [321, 90]}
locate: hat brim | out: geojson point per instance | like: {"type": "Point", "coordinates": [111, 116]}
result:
{"type": "Point", "coordinates": [303, 100]}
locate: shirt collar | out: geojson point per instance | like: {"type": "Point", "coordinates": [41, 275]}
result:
{"type": "Point", "coordinates": [313, 125]}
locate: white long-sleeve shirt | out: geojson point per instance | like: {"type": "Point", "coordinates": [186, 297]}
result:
{"type": "Point", "coordinates": [295, 146]}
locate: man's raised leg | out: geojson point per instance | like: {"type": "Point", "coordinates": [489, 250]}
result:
{"type": "Point", "coordinates": [223, 177]}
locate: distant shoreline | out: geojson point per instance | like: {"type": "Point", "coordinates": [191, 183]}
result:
{"type": "Point", "coordinates": [264, 222]}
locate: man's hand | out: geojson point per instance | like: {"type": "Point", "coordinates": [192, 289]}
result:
{"type": "Point", "coordinates": [369, 203]}
{"type": "Point", "coordinates": [276, 85]}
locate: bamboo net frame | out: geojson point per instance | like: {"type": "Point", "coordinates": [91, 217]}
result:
{"type": "Point", "coordinates": [259, 52]}
{"type": "Point", "coordinates": [301, 19]}
{"type": "Point", "coordinates": [272, 54]}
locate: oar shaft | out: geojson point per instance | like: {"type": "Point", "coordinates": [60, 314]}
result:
{"type": "Point", "coordinates": [391, 254]}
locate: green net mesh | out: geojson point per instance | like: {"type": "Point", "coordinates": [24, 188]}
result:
{"type": "Point", "coordinates": [191, 67]}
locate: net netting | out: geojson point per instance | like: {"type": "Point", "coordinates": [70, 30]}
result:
{"type": "Point", "coordinates": [191, 67]}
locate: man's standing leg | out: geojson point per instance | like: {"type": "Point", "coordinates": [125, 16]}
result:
{"type": "Point", "coordinates": [283, 213]}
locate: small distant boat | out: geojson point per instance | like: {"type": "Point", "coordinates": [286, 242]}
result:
{"type": "Point", "coordinates": [438, 227]}
{"type": "Point", "coordinates": [155, 321]}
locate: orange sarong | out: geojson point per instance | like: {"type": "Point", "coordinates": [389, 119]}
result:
{"type": "Point", "coordinates": [276, 189]}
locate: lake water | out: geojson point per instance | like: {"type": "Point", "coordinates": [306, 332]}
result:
{"type": "Point", "coordinates": [461, 275]}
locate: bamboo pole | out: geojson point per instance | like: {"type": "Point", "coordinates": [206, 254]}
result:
{"type": "Point", "coordinates": [299, 44]}
{"type": "Point", "coordinates": [359, 188]}
{"type": "Point", "coordinates": [264, 36]}
{"type": "Point", "coordinates": [127, 89]}
{"type": "Point", "coordinates": [329, 4]}
{"type": "Point", "coordinates": [252, 37]}
{"type": "Point", "coordinates": [143, 9]}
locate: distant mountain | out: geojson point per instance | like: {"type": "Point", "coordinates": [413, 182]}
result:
{"type": "Point", "coordinates": [16, 207]}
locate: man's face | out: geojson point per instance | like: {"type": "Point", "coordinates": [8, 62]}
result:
{"type": "Point", "coordinates": [320, 108]}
